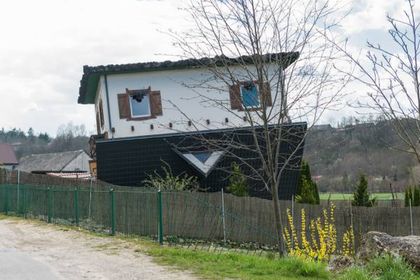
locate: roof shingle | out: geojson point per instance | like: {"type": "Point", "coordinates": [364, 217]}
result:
{"type": "Point", "coordinates": [7, 155]}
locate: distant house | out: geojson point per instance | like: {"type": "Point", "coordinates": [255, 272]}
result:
{"type": "Point", "coordinates": [73, 164]}
{"type": "Point", "coordinates": [8, 158]}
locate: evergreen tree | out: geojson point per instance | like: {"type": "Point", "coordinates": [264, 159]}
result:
{"type": "Point", "coordinates": [412, 194]}
{"type": "Point", "coordinates": [237, 181]}
{"type": "Point", "coordinates": [361, 195]}
{"type": "Point", "coordinates": [307, 188]}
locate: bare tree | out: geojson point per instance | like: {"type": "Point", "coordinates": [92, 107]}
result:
{"type": "Point", "coordinates": [279, 48]}
{"type": "Point", "coordinates": [391, 75]}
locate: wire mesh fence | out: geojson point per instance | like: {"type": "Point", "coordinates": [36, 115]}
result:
{"type": "Point", "coordinates": [214, 221]}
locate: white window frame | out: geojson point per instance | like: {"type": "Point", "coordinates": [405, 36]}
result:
{"type": "Point", "coordinates": [130, 98]}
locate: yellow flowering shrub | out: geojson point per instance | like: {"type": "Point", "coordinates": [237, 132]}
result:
{"type": "Point", "coordinates": [321, 243]}
{"type": "Point", "coordinates": [348, 243]}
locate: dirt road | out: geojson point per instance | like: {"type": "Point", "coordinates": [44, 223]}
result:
{"type": "Point", "coordinates": [32, 250]}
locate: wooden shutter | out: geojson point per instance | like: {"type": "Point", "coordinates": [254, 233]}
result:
{"type": "Point", "coordinates": [101, 113]}
{"type": "Point", "coordinates": [98, 125]}
{"type": "Point", "coordinates": [124, 106]}
{"type": "Point", "coordinates": [265, 94]}
{"type": "Point", "coordinates": [155, 103]}
{"type": "Point", "coordinates": [235, 97]}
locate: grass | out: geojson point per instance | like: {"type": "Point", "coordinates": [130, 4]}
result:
{"type": "Point", "coordinates": [381, 268]}
{"type": "Point", "coordinates": [230, 265]}
{"type": "Point", "coordinates": [349, 196]}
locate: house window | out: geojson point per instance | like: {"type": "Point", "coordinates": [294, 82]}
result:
{"type": "Point", "coordinates": [140, 105]}
{"type": "Point", "coordinates": [202, 161]}
{"type": "Point", "coordinates": [202, 156]}
{"type": "Point", "coordinates": [250, 95]}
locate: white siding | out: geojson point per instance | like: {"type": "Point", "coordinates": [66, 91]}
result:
{"type": "Point", "coordinates": [178, 101]}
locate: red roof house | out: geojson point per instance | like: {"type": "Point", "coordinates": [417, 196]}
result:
{"type": "Point", "coordinates": [7, 156]}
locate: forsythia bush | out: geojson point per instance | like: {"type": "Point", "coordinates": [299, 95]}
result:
{"type": "Point", "coordinates": [322, 242]}
{"type": "Point", "coordinates": [348, 243]}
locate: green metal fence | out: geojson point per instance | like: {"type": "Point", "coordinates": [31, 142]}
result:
{"type": "Point", "coordinates": [95, 209]}
{"type": "Point", "coordinates": [210, 220]}
{"type": "Point", "coordinates": [176, 218]}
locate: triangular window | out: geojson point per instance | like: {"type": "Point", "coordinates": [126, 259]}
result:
{"type": "Point", "coordinates": [203, 161]}
{"type": "Point", "coordinates": [202, 156]}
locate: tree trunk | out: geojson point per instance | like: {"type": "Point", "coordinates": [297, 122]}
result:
{"type": "Point", "coordinates": [278, 221]}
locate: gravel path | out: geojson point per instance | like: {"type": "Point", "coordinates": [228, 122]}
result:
{"type": "Point", "coordinates": [68, 254]}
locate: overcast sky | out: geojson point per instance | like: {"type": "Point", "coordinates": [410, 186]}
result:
{"type": "Point", "coordinates": [45, 43]}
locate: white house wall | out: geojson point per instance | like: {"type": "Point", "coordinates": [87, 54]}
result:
{"type": "Point", "coordinates": [178, 102]}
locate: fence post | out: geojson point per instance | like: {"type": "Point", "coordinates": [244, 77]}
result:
{"type": "Point", "coordinates": [160, 217]}
{"type": "Point", "coordinates": [112, 197]}
{"type": "Point", "coordinates": [49, 204]}
{"type": "Point", "coordinates": [411, 216]}
{"type": "Point", "coordinates": [223, 217]}
{"type": "Point", "coordinates": [90, 199]}
{"type": "Point", "coordinates": [18, 206]}
{"type": "Point", "coordinates": [76, 205]}
{"type": "Point", "coordinates": [6, 199]}
{"type": "Point", "coordinates": [24, 202]}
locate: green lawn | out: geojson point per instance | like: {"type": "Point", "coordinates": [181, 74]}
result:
{"type": "Point", "coordinates": [229, 265]}
{"type": "Point", "coordinates": [349, 196]}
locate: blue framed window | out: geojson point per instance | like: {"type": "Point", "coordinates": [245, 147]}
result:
{"type": "Point", "coordinates": [202, 156]}
{"type": "Point", "coordinates": [250, 95]}
{"type": "Point", "coordinates": [140, 105]}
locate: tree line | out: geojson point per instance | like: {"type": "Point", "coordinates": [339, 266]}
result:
{"type": "Point", "coordinates": [69, 137]}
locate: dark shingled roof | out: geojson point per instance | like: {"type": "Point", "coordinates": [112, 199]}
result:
{"type": "Point", "coordinates": [7, 155]}
{"type": "Point", "coordinates": [91, 74]}
{"type": "Point", "coordinates": [51, 162]}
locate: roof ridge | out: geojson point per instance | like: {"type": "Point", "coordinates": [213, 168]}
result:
{"type": "Point", "coordinates": [74, 157]}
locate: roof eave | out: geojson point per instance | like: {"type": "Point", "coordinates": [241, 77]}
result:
{"type": "Point", "coordinates": [90, 81]}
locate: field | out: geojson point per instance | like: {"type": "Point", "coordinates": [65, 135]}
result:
{"type": "Point", "coordinates": [349, 196]}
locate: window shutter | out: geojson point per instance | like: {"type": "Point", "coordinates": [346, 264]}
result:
{"type": "Point", "coordinates": [124, 106]}
{"type": "Point", "coordinates": [101, 113]}
{"type": "Point", "coordinates": [235, 97]}
{"type": "Point", "coordinates": [155, 103]}
{"type": "Point", "coordinates": [98, 125]}
{"type": "Point", "coordinates": [265, 94]}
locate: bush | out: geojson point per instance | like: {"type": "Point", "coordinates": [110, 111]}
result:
{"type": "Point", "coordinates": [361, 195]}
{"type": "Point", "coordinates": [168, 181]}
{"type": "Point", "coordinates": [412, 194]}
{"type": "Point", "coordinates": [237, 181]}
{"type": "Point", "coordinates": [307, 188]}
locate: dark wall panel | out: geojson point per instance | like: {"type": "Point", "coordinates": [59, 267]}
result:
{"type": "Point", "coordinates": [128, 161]}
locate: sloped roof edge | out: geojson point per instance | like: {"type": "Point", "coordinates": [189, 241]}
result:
{"type": "Point", "coordinates": [50, 162]}
{"type": "Point", "coordinates": [91, 74]}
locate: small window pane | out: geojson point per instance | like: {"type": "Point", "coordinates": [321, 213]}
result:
{"type": "Point", "coordinates": [250, 96]}
{"type": "Point", "coordinates": [140, 108]}
{"type": "Point", "coordinates": [202, 156]}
